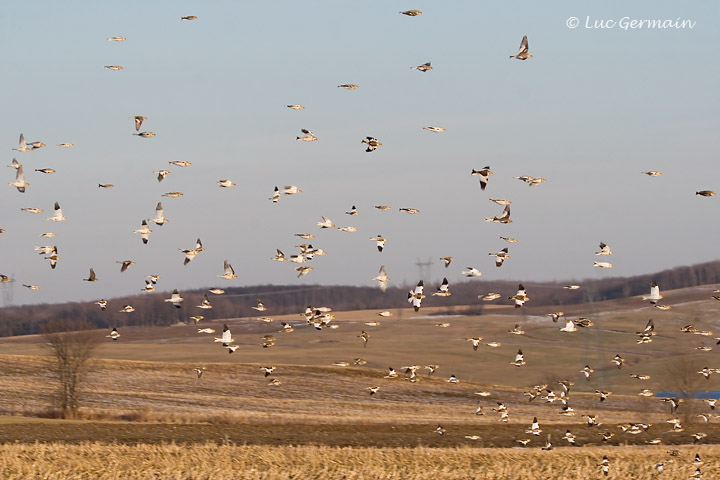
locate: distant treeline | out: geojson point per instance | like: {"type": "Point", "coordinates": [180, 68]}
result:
{"type": "Point", "coordinates": [152, 310]}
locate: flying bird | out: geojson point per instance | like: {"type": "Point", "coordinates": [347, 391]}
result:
{"type": "Point", "coordinates": [114, 334]}
{"type": "Point", "coordinates": [412, 13]}
{"type": "Point", "coordinates": [58, 216]}
{"type": "Point", "coordinates": [444, 289]}
{"type": "Point", "coordinates": [308, 136]}
{"type": "Point", "coordinates": [654, 293]}
{"type": "Point", "coordinates": [520, 297]}
{"type": "Point", "coordinates": [422, 68]}
{"type": "Point", "coordinates": [380, 242]}
{"type": "Point", "coordinates": [372, 144]}
{"type": "Point", "coordinates": [19, 182]}
{"type": "Point", "coordinates": [226, 338]}
{"type": "Point", "coordinates": [22, 145]}
{"type": "Point", "coordinates": [415, 296]}
{"type": "Point", "coordinates": [434, 129]}
{"type": "Point", "coordinates": [144, 232]}
{"type": "Point", "coordinates": [91, 277]}
{"type": "Point", "coordinates": [139, 121]}
{"type": "Point", "coordinates": [175, 299]}
{"type": "Point", "coordinates": [382, 279]}
{"type": "Point", "coordinates": [159, 215]}
{"type": "Point", "coordinates": [500, 256]}
{"type": "Point", "coordinates": [604, 250]}
{"type": "Point", "coordinates": [125, 264]}
{"type": "Point", "coordinates": [523, 52]}
{"type": "Point", "coordinates": [484, 176]}
{"type": "Point", "coordinates": [229, 273]}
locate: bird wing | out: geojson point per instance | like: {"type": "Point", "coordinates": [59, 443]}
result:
{"type": "Point", "coordinates": [524, 45]}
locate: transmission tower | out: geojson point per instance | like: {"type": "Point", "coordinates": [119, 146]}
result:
{"type": "Point", "coordinates": [424, 268]}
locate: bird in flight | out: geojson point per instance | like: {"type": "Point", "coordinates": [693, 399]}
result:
{"type": "Point", "coordinates": [382, 279]}
{"type": "Point", "coordinates": [523, 52]}
{"type": "Point", "coordinates": [484, 175]}
{"type": "Point", "coordinates": [159, 215]}
{"type": "Point", "coordinates": [520, 297]}
{"type": "Point", "coordinates": [308, 136]}
{"type": "Point", "coordinates": [372, 143]}
{"type": "Point", "coordinates": [114, 334]}
{"type": "Point", "coordinates": [500, 256]}
{"type": "Point", "coordinates": [144, 232]}
{"type": "Point", "coordinates": [58, 216]}
{"type": "Point", "coordinates": [91, 277]}
{"type": "Point", "coordinates": [415, 296]}
{"type": "Point", "coordinates": [139, 121]}
{"type": "Point", "coordinates": [175, 299]}
{"type": "Point", "coordinates": [412, 13]}
{"type": "Point", "coordinates": [229, 273]}
{"type": "Point", "coordinates": [444, 289]}
{"type": "Point", "coordinates": [19, 182]}
{"type": "Point", "coordinates": [422, 68]}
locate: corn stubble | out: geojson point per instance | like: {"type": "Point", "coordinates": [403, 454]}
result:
{"type": "Point", "coordinates": [103, 461]}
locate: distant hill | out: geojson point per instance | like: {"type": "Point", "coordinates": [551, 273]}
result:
{"type": "Point", "coordinates": [151, 310]}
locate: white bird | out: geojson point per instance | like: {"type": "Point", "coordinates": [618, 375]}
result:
{"type": "Point", "coordinates": [175, 299]}
{"type": "Point", "coordinates": [19, 182]}
{"type": "Point", "coordinates": [276, 195]}
{"type": "Point", "coordinates": [382, 279]}
{"type": "Point", "coordinates": [229, 273]}
{"type": "Point", "coordinates": [308, 136]}
{"type": "Point", "coordinates": [22, 145]}
{"type": "Point", "coordinates": [520, 297]}
{"type": "Point", "coordinates": [654, 293]}
{"type": "Point", "coordinates": [503, 218]}
{"type": "Point", "coordinates": [291, 190]}
{"type": "Point", "coordinates": [602, 264]}
{"type": "Point", "coordinates": [226, 338]}
{"type": "Point", "coordinates": [500, 256]}
{"type": "Point", "coordinates": [569, 326]}
{"type": "Point", "coordinates": [380, 242]}
{"type": "Point", "coordinates": [149, 287]}
{"type": "Point", "coordinates": [192, 252]}
{"type": "Point", "coordinates": [144, 232]}
{"type": "Point", "coordinates": [159, 215]}
{"type": "Point", "coordinates": [296, 107]}
{"type": "Point", "coordinates": [519, 359]}
{"type": "Point", "coordinates": [180, 163]}
{"type": "Point", "coordinates": [484, 175]}
{"type": "Point", "coordinates": [534, 427]}
{"type": "Point", "coordinates": [471, 272]}
{"type": "Point", "coordinates": [372, 143]}
{"type": "Point", "coordinates": [58, 216]}
{"type": "Point", "coordinates": [325, 223]}
{"type": "Point", "coordinates": [205, 304]}
{"type": "Point", "coordinates": [435, 129]}
{"type": "Point", "coordinates": [226, 183]}
{"type": "Point", "coordinates": [415, 296]}
{"type": "Point", "coordinates": [604, 250]}
{"type": "Point", "coordinates": [114, 335]}
{"type": "Point", "coordinates": [444, 289]}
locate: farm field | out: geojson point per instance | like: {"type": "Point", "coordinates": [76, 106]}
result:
{"type": "Point", "coordinates": [142, 394]}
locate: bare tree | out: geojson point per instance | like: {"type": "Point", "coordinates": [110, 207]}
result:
{"type": "Point", "coordinates": [72, 343]}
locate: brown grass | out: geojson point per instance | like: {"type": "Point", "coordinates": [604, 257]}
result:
{"type": "Point", "coordinates": [100, 461]}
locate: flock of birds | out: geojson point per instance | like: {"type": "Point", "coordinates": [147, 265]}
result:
{"type": "Point", "coordinates": [321, 317]}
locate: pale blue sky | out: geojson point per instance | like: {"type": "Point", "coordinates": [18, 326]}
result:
{"type": "Point", "coordinates": [589, 112]}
